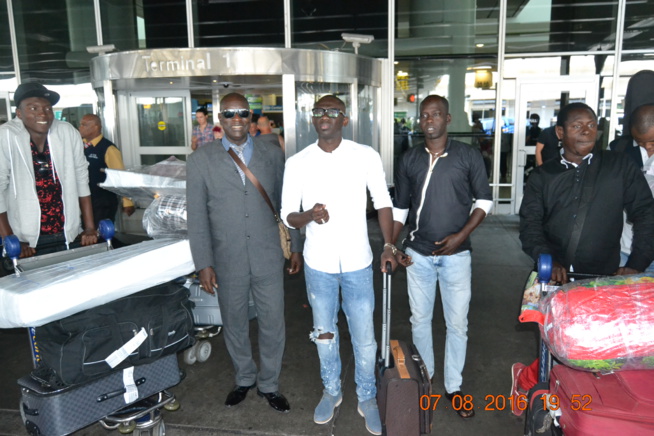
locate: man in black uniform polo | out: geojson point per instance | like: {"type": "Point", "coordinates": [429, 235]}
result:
{"type": "Point", "coordinates": [101, 154]}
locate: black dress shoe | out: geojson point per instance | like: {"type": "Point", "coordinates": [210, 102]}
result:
{"type": "Point", "coordinates": [276, 401]}
{"type": "Point", "coordinates": [237, 395]}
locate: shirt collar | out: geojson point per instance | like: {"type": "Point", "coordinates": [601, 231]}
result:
{"type": "Point", "coordinates": [249, 144]}
{"type": "Point", "coordinates": [94, 141]}
{"type": "Point", "coordinates": [567, 163]}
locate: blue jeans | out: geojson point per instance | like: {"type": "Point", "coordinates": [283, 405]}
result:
{"type": "Point", "coordinates": [454, 275]}
{"type": "Point", "coordinates": [358, 305]}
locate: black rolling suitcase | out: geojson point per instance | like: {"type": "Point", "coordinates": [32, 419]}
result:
{"type": "Point", "coordinates": [403, 385]}
{"type": "Point", "coordinates": [58, 412]}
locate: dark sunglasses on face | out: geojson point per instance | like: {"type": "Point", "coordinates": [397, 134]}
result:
{"type": "Point", "coordinates": [318, 112]}
{"type": "Point", "coordinates": [229, 113]}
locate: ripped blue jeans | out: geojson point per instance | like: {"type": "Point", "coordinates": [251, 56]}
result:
{"type": "Point", "coordinates": [358, 305]}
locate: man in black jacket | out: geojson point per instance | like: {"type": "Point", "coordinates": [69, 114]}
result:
{"type": "Point", "coordinates": [572, 209]}
{"type": "Point", "coordinates": [554, 202]}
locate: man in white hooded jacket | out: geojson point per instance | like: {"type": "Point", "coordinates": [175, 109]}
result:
{"type": "Point", "coordinates": [44, 183]}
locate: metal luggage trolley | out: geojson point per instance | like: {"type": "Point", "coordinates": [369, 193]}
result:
{"type": "Point", "coordinates": [207, 319]}
{"type": "Point", "coordinates": [140, 418]}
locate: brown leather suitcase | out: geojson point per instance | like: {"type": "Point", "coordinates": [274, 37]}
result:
{"type": "Point", "coordinates": [403, 385]}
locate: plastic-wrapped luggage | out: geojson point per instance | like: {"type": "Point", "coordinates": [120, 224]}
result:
{"type": "Point", "coordinates": [603, 324]}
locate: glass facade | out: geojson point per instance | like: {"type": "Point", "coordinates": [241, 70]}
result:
{"type": "Point", "coordinates": [477, 53]}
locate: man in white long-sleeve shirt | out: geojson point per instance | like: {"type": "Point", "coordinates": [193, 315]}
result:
{"type": "Point", "coordinates": [328, 180]}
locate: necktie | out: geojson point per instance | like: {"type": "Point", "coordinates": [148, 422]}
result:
{"type": "Point", "coordinates": [238, 149]}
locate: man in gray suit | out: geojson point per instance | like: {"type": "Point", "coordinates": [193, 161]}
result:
{"type": "Point", "coordinates": [236, 249]}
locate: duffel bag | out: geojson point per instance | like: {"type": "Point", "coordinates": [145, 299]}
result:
{"type": "Point", "coordinates": [133, 330]}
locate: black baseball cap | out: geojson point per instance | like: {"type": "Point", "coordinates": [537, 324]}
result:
{"type": "Point", "coordinates": [27, 90]}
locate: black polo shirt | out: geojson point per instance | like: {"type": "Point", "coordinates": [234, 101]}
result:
{"type": "Point", "coordinates": [456, 181]}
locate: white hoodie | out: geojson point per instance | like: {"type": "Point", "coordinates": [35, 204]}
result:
{"type": "Point", "coordinates": [18, 186]}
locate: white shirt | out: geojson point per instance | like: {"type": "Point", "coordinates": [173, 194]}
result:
{"type": "Point", "coordinates": [338, 180]}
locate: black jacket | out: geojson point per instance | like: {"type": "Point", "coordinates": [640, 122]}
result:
{"type": "Point", "coordinates": [551, 202]}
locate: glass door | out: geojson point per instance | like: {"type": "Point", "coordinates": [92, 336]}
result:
{"type": "Point", "coordinates": [540, 100]}
{"type": "Point", "coordinates": [159, 126]}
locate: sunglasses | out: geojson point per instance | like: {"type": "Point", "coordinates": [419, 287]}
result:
{"type": "Point", "coordinates": [318, 112]}
{"type": "Point", "coordinates": [229, 113]}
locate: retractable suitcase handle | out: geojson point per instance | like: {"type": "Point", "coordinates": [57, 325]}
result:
{"type": "Point", "coordinates": [386, 316]}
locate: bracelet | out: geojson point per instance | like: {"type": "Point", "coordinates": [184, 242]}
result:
{"type": "Point", "coordinates": [392, 247]}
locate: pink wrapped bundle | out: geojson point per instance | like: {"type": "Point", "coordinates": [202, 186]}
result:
{"type": "Point", "coordinates": [603, 325]}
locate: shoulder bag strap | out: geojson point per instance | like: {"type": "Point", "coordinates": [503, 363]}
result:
{"type": "Point", "coordinates": [254, 180]}
{"type": "Point", "coordinates": [586, 195]}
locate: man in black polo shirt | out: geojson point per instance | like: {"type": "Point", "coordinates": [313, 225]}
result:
{"type": "Point", "coordinates": [436, 186]}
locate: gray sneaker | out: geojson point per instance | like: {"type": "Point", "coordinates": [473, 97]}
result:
{"type": "Point", "coordinates": [325, 410]}
{"type": "Point", "coordinates": [368, 409]}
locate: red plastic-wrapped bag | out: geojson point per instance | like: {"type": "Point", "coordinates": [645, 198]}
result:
{"type": "Point", "coordinates": [604, 324]}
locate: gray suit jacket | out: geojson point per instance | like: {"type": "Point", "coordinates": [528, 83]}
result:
{"type": "Point", "coordinates": [230, 226]}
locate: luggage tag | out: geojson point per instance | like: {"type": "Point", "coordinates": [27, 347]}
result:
{"type": "Point", "coordinates": [121, 354]}
{"type": "Point", "coordinates": [131, 391]}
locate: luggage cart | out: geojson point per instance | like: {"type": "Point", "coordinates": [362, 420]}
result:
{"type": "Point", "coordinates": [140, 418]}
{"type": "Point", "coordinates": [12, 249]}
{"type": "Point", "coordinates": [607, 404]}
{"type": "Point", "coordinates": [207, 319]}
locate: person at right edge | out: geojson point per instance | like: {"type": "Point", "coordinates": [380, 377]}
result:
{"type": "Point", "coordinates": [435, 187]}
{"type": "Point", "coordinates": [556, 200]}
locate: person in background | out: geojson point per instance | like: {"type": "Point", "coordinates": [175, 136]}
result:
{"type": "Point", "coordinates": [218, 132]}
{"type": "Point", "coordinates": [533, 131]}
{"type": "Point", "coordinates": [325, 188]}
{"type": "Point", "coordinates": [267, 134]}
{"type": "Point", "coordinates": [235, 245]}
{"type": "Point", "coordinates": [254, 126]}
{"type": "Point", "coordinates": [436, 188]}
{"type": "Point", "coordinates": [42, 167]}
{"type": "Point", "coordinates": [642, 132]}
{"type": "Point", "coordinates": [640, 91]}
{"type": "Point", "coordinates": [203, 132]}
{"type": "Point", "coordinates": [548, 145]}
{"type": "Point", "coordinates": [102, 154]}
{"type": "Point", "coordinates": [556, 195]}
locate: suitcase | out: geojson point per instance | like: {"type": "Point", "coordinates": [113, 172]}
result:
{"type": "Point", "coordinates": [134, 330]}
{"type": "Point", "coordinates": [403, 384]}
{"type": "Point", "coordinates": [206, 311]}
{"type": "Point", "coordinates": [539, 419]}
{"type": "Point", "coordinates": [60, 412]}
{"type": "Point", "coordinates": [612, 404]}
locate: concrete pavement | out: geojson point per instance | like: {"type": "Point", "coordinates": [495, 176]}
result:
{"type": "Point", "coordinates": [496, 340]}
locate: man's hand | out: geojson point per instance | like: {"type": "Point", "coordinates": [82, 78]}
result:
{"type": "Point", "coordinates": [403, 259]}
{"type": "Point", "coordinates": [89, 237]}
{"type": "Point", "coordinates": [208, 280]}
{"type": "Point", "coordinates": [449, 244]}
{"type": "Point", "coordinates": [559, 273]}
{"type": "Point", "coordinates": [623, 271]}
{"type": "Point", "coordinates": [319, 213]}
{"type": "Point", "coordinates": [26, 250]}
{"type": "Point", "coordinates": [387, 256]}
{"type": "Point", "coordinates": [296, 263]}
{"type": "Point", "coordinates": [129, 210]}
